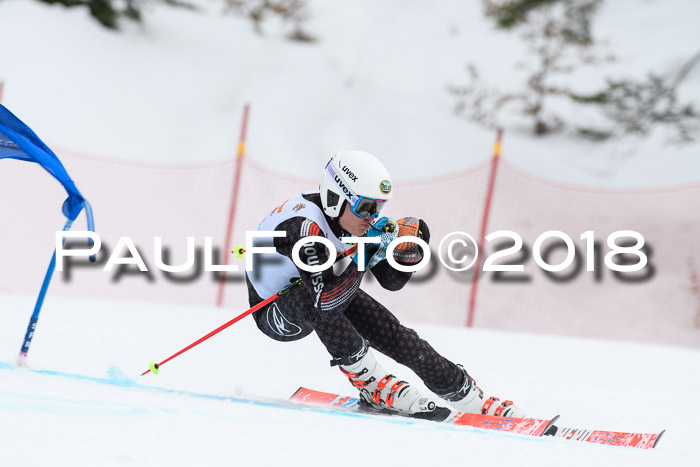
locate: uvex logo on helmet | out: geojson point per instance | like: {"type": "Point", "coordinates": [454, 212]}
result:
{"type": "Point", "coordinates": [352, 176]}
{"type": "Point", "coordinates": [345, 189]}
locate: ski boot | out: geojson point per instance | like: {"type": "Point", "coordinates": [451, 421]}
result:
{"type": "Point", "coordinates": [384, 393]}
{"type": "Point", "coordinates": [470, 398]}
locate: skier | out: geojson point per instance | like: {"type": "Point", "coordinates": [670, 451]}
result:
{"type": "Point", "coordinates": [354, 190]}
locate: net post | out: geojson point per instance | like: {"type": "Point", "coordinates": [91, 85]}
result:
{"type": "Point", "coordinates": [484, 223]}
{"type": "Point", "coordinates": [238, 167]}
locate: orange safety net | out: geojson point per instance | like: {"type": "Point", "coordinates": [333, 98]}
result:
{"type": "Point", "coordinates": [659, 304]}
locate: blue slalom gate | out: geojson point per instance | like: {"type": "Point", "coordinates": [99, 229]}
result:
{"type": "Point", "coordinates": [18, 141]}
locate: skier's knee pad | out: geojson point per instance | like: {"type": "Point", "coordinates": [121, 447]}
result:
{"type": "Point", "coordinates": [274, 323]}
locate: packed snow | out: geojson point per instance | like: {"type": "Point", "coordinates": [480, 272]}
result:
{"type": "Point", "coordinates": [84, 403]}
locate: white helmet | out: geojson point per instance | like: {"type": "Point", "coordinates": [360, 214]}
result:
{"type": "Point", "coordinates": [358, 177]}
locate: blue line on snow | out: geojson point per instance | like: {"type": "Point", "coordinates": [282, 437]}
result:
{"type": "Point", "coordinates": [116, 378]}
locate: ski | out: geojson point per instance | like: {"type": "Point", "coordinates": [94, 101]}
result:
{"type": "Point", "coordinates": [611, 438]}
{"type": "Point", "coordinates": [524, 426]}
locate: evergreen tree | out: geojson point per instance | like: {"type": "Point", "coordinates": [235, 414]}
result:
{"type": "Point", "coordinates": [109, 12]}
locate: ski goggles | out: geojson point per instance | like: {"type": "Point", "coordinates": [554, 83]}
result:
{"type": "Point", "coordinates": [368, 207]}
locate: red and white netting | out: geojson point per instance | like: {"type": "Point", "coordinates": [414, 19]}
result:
{"type": "Point", "coordinates": [659, 304]}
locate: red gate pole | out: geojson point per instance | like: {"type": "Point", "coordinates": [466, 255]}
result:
{"type": "Point", "coordinates": [234, 200]}
{"type": "Point", "coordinates": [484, 224]}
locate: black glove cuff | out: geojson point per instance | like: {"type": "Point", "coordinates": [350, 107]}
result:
{"type": "Point", "coordinates": [423, 231]}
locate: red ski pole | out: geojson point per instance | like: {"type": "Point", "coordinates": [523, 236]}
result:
{"type": "Point", "coordinates": [154, 367]}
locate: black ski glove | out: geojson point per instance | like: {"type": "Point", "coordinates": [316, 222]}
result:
{"type": "Point", "coordinates": [411, 253]}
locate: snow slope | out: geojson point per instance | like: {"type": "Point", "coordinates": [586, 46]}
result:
{"type": "Point", "coordinates": [103, 419]}
{"type": "Point", "coordinates": [172, 90]}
